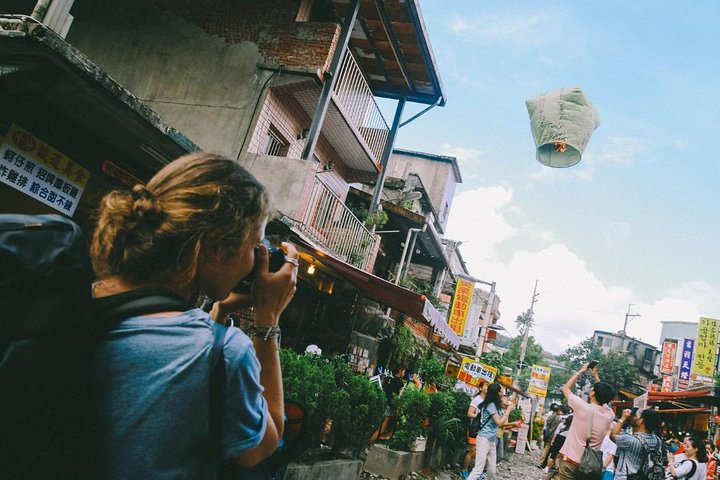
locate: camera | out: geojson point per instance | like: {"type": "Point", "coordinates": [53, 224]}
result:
{"type": "Point", "coordinates": [276, 261]}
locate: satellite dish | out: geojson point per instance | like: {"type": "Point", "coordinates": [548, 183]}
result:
{"type": "Point", "coordinates": [561, 122]}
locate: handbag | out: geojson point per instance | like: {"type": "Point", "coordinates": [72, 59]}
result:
{"type": "Point", "coordinates": [591, 464]}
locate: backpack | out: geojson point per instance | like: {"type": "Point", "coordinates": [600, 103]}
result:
{"type": "Point", "coordinates": [653, 466]}
{"type": "Point", "coordinates": [476, 424]}
{"type": "Point", "coordinates": [49, 326]}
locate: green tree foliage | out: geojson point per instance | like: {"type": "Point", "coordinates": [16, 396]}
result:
{"type": "Point", "coordinates": [495, 359]}
{"type": "Point", "coordinates": [533, 356]}
{"type": "Point", "coordinates": [330, 390]}
{"type": "Point", "coordinates": [431, 370]}
{"type": "Point", "coordinates": [616, 369]}
{"type": "Point", "coordinates": [411, 410]}
{"type": "Point", "coordinates": [400, 348]}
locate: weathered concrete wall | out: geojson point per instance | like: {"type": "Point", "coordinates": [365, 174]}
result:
{"type": "Point", "coordinates": [287, 179]}
{"type": "Point", "coordinates": [438, 177]}
{"type": "Point", "coordinates": [391, 463]}
{"type": "Point", "coordinates": [333, 469]}
{"type": "Point", "coordinates": [199, 83]}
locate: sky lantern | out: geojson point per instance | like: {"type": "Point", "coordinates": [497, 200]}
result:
{"type": "Point", "coordinates": [561, 122]}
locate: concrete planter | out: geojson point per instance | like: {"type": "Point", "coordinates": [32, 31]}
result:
{"type": "Point", "coordinates": [328, 469]}
{"type": "Point", "coordinates": [392, 463]}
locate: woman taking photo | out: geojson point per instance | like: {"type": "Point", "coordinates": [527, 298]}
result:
{"type": "Point", "coordinates": [693, 467]}
{"type": "Point", "coordinates": [492, 418]}
{"type": "Point", "coordinates": [194, 229]}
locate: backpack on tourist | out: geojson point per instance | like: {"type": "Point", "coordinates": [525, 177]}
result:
{"type": "Point", "coordinates": [49, 325]}
{"type": "Point", "coordinates": [653, 466]}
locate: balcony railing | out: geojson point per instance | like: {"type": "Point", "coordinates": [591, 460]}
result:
{"type": "Point", "coordinates": [329, 222]}
{"type": "Point", "coordinates": [359, 106]}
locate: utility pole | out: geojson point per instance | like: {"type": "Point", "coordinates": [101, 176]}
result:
{"type": "Point", "coordinates": [526, 334]}
{"type": "Point", "coordinates": [628, 316]}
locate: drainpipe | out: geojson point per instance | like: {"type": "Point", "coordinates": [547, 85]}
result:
{"type": "Point", "coordinates": [405, 249]}
{"type": "Point", "coordinates": [324, 102]}
{"type": "Point", "coordinates": [412, 249]}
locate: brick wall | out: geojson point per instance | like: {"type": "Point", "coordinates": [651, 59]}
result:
{"type": "Point", "coordinates": [271, 24]}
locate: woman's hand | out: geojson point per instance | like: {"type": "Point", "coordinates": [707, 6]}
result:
{"type": "Point", "coordinates": [271, 292]}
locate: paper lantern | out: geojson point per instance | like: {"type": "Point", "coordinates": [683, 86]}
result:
{"type": "Point", "coordinates": [561, 122]}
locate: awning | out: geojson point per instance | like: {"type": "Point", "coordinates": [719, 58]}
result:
{"type": "Point", "coordinates": [399, 298]}
{"type": "Point", "coordinates": [695, 397]}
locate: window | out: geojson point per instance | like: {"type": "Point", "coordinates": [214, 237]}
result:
{"type": "Point", "coordinates": [649, 353]}
{"type": "Point", "coordinates": [274, 145]}
{"type": "Point", "coordinates": [607, 342]}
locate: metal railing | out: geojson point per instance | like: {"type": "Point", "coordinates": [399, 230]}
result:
{"type": "Point", "coordinates": [358, 103]}
{"type": "Point", "coordinates": [330, 222]}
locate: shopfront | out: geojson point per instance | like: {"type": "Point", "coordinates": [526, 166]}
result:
{"type": "Point", "coordinates": [68, 132]}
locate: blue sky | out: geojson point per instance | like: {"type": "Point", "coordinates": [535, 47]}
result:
{"type": "Point", "coordinates": [635, 222]}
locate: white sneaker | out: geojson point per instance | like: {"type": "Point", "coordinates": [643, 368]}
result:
{"type": "Point", "coordinates": [545, 470]}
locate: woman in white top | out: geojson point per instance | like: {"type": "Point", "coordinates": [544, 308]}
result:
{"type": "Point", "coordinates": [694, 466]}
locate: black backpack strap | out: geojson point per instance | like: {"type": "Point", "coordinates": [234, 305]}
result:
{"type": "Point", "coordinates": [216, 402]}
{"type": "Point", "coordinates": [142, 301]}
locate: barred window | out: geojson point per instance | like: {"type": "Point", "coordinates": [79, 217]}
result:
{"type": "Point", "coordinates": [275, 146]}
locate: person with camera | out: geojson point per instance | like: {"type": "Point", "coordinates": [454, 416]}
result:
{"type": "Point", "coordinates": [490, 409]}
{"type": "Point", "coordinates": [584, 412]}
{"type": "Point", "coordinates": [633, 449]}
{"type": "Point", "coordinates": [693, 466]}
{"type": "Point", "coordinates": [194, 229]}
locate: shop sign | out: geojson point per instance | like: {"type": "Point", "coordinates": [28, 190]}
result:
{"type": "Point", "coordinates": [686, 362]}
{"type": "Point", "coordinates": [539, 378]}
{"type": "Point", "coordinates": [474, 372]}
{"type": "Point", "coordinates": [668, 356]}
{"type": "Point", "coordinates": [39, 171]}
{"type": "Point", "coordinates": [667, 381]}
{"type": "Point", "coordinates": [707, 340]}
{"type": "Point", "coordinates": [461, 305]}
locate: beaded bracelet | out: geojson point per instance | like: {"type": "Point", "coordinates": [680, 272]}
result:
{"type": "Point", "coordinates": [266, 333]}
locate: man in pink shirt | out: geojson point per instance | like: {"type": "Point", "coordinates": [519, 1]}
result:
{"type": "Point", "coordinates": [600, 394]}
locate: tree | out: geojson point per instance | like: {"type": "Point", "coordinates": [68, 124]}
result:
{"type": "Point", "coordinates": [533, 356]}
{"type": "Point", "coordinates": [616, 369]}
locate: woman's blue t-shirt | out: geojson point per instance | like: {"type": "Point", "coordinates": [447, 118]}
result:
{"type": "Point", "coordinates": [151, 381]}
{"type": "Point", "coordinates": [490, 428]}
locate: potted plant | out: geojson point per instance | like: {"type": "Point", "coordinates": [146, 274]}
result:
{"type": "Point", "coordinates": [411, 410]}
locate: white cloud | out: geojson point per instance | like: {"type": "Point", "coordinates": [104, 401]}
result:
{"type": "Point", "coordinates": [573, 301]}
{"type": "Point", "coordinates": [467, 157]}
{"type": "Point", "coordinates": [518, 30]}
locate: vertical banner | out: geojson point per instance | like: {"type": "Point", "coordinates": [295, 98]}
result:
{"type": "Point", "coordinates": [686, 363]}
{"type": "Point", "coordinates": [668, 356]}
{"type": "Point", "coordinates": [461, 305]}
{"type": "Point", "coordinates": [473, 372]}
{"type": "Point", "coordinates": [667, 382]}
{"type": "Point", "coordinates": [707, 339]}
{"type": "Point", "coordinates": [539, 378]}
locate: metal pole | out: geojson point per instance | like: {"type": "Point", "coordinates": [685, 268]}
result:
{"type": "Point", "coordinates": [490, 305]}
{"type": "Point", "coordinates": [386, 155]}
{"type": "Point", "coordinates": [412, 249]}
{"type": "Point", "coordinates": [526, 334]}
{"type": "Point", "coordinates": [402, 257]}
{"type": "Point", "coordinates": [324, 102]}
